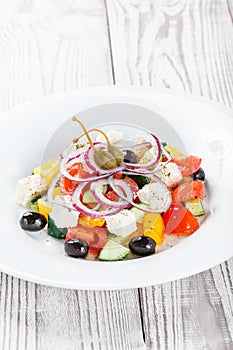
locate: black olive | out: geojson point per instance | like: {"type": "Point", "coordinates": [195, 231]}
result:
{"type": "Point", "coordinates": [142, 245]}
{"type": "Point", "coordinates": [199, 175]}
{"type": "Point", "coordinates": [31, 221]}
{"type": "Point", "coordinates": [77, 248]}
{"type": "Point", "coordinates": [130, 157]}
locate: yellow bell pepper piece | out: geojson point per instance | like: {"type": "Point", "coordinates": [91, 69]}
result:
{"type": "Point", "coordinates": [174, 152]}
{"type": "Point", "coordinates": [154, 227]}
{"type": "Point", "coordinates": [56, 192]}
{"type": "Point", "coordinates": [48, 171]}
{"type": "Point", "coordinates": [88, 221]}
{"type": "Point", "coordinates": [44, 208]}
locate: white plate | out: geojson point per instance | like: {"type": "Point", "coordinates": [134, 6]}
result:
{"type": "Point", "coordinates": [205, 128]}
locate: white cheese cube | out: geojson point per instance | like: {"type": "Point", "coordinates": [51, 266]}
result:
{"type": "Point", "coordinates": [29, 188]}
{"type": "Point", "coordinates": [63, 216]}
{"type": "Point", "coordinates": [170, 174]}
{"type": "Point", "coordinates": [121, 224]}
{"type": "Point", "coordinates": [113, 136]}
{"type": "Point", "coordinates": [155, 195]}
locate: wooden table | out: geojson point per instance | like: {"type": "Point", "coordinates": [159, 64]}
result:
{"type": "Point", "coordinates": [50, 46]}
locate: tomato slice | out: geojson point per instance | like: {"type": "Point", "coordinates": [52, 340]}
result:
{"type": "Point", "coordinates": [67, 186]}
{"type": "Point", "coordinates": [188, 165]}
{"type": "Point", "coordinates": [96, 237]}
{"type": "Point", "coordinates": [112, 196]}
{"type": "Point", "coordinates": [179, 221]}
{"type": "Point", "coordinates": [133, 186]}
{"type": "Point", "coordinates": [188, 191]}
{"type": "Point", "coordinates": [117, 176]}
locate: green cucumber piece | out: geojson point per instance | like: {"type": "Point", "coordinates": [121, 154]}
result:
{"type": "Point", "coordinates": [195, 206]}
{"type": "Point", "coordinates": [88, 197]}
{"type": "Point", "coordinates": [113, 251]}
{"type": "Point", "coordinates": [34, 205]}
{"type": "Point", "coordinates": [139, 214]}
{"type": "Point", "coordinates": [54, 231]}
{"type": "Point", "coordinates": [141, 180]}
{"type": "Point", "coordinates": [116, 238]}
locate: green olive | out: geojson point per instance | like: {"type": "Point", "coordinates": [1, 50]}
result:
{"type": "Point", "coordinates": [117, 153]}
{"type": "Point", "coordinates": [104, 159]}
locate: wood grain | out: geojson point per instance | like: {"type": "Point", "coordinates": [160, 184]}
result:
{"type": "Point", "coordinates": [230, 6]}
{"type": "Point", "coordinates": [186, 46]}
{"type": "Point", "coordinates": [57, 45]}
{"type": "Point", "coordinates": [51, 46]}
{"type": "Point", "coordinates": [182, 44]}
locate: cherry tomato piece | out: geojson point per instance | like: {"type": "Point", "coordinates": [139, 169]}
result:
{"type": "Point", "coordinates": [67, 186]}
{"type": "Point", "coordinates": [133, 186]}
{"type": "Point", "coordinates": [188, 165]}
{"type": "Point", "coordinates": [188, 191]}
{"type": "Point", "coordinates": [117, 176]}
{"type": "Point", "coordinates": [112, 196]}
{"type": "Point", "coordinates": [179, 221]}
{"type": "Point", "coordinates": [95, 236]}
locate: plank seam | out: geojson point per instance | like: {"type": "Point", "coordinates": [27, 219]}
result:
{"type": "Point", "coordinates": [110, 43]}
{"type": "Point", "coordinates": [230, 8]}
{"type": "Point", "coordinates": [141, 315]}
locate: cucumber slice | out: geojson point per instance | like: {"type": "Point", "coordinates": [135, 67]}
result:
{"type": "Point", "coordinates": [195, 206]}
{"type": "Point", "coordinates": [113, 251]}
{"type": "Point", "coordinates": [88, 197]}
{"type": "Point", "coordinates": [115, 238]}
{"type": "Point", "coordinates": [139, 214]}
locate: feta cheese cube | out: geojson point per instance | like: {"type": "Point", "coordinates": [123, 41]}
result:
{"type": "Point", "coordinates": [170, 174]}
{"type": "Point", "coordinates": [113, 136]}
{"type": "Point", "coordinates": [121, 224]}
{"type": "Point", "coordinates": [29, 188]}
{"type": "Point", "coordinates": [62, 216]}
{"type": "Point", "coordinates": [155, 195]}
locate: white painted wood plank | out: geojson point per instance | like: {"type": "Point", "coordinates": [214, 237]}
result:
{"type": "Point", "coordinates": [173, 44]}
{"type": "Point", "coordinates": [48, 47]}
{"type": "Point", "coordinates": [51, 46]}
{"type": "Point", "coordinates": [230, 6]}
{"type": "Point", "coordinates": [187, 46]}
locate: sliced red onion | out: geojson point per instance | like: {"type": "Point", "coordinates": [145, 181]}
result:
{"type": "Point", "coordinates": [137, 145]}
{"type": "Point", "coordinates": [69, 164]}
{"type": "Point", "coordinates": [64, 171]}
{"type": "Point", "coordinates": [159, 167]}
{"type": "Point", "coordinates": [79, 206]}
{"type": "Point", "coordinates": [92, 164]}
{"type": "Point", "coordinates": [75, 154]}
{"type": "Point", "coordinates": [96, 189]}
{"type": "Point", "coordinates": [156, 179]}
{"type": "Point", "coordinates": [150, 164]}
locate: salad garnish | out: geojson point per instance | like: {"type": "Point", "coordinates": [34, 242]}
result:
{"type": "Point", "coordinates": [114, 197]}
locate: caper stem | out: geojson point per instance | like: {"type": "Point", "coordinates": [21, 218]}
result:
{"type": "Point", "coordinates": [85, 131]}
{"type": "Point", "coordinates": [94, 129]}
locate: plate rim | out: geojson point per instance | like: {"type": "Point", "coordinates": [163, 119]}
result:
{"type": "Point", "coordinates": [113, 89]}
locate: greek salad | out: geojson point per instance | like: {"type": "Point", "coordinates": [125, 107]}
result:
{"type": "Point", "coordinates": [110, 197]}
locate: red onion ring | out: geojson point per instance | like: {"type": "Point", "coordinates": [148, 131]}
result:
{"type": "Point", "coordinates": [99, 196]}
{"type": "Point", "coordinates": [150, 164]}
{"type": "Point", "coordinates": [79, 206]}
{"type": "Point", "coordinates": [156, 179]}
{"type": "Point", "coordinates": [75, 154]}
{"type": "Point", "coordinates": [88, 179]}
